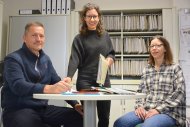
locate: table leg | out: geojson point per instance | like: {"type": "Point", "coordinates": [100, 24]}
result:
{"type": "Point", "coordinates": [89, 113]}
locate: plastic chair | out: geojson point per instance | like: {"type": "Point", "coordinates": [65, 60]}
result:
{"type": "Point", "coordinates": [138, 125]}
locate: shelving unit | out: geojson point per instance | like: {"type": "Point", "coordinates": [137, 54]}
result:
{"type": "Point", "coordinates": [130, 32]}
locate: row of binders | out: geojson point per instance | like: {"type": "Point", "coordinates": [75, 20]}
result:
{"type": "Point", "coordinates": [133, 22]}
{"type": "Point", "coordinates": [136, 45]}
{"type": "Point", "coordinates": [57, 6]}
{"type": "Point", "coordinates": [148, 22]}
{"type": "Point", "coordinates": [131, 67]}
{"type": "Point", "coordinates": [131, 44]}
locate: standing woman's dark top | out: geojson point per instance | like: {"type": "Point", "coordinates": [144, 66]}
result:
{"type": "Point", "coordinates": [87, 46]}
{"type": "Point", "coordinates": [85, 57]}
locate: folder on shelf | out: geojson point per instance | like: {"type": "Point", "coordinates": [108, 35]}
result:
{"type": "Point", "coordinates": [63, 6]}
{"type": "Point", "coordinates": [68, 5]}
{"type": "Point", "coordinates": [53, 6]}
{"type": "Point", "coordinates": [48, 7]}
{"type": "Point", "coordinates": [58, 9]}
{"type": "Point", "coordinates": [29, 11]}
{"type": "Point", "coordinates": [102, 70]}
{"type": "Point", "coordinates": [44, 7]}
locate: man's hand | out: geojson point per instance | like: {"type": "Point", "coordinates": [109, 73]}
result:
{"type": "Point", "coordinates": [59, 87]}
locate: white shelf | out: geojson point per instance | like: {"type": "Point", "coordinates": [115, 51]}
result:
{"type": "Point", "coordinates": [125, 82]}
{"type": "Point", "coordinates": [128, 32]}
{"type": "Point", "coordinates": [136, 55]}
{"type": "Point", "coordinates": [141, 33]}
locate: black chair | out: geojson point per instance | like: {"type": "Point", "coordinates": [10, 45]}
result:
{"type": "Point", "coordinates": [1, 121]}
{"type": "Point", "coordinates": [1, 73]}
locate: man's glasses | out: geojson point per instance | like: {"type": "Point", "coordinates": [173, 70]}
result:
{"type": "Point", "coordinates": [156, 46]}
{"type": "Point", "coordinates": [91, 16]}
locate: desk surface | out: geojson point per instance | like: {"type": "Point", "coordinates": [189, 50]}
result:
{"type": "Point", "coordinates": [88, 96]}
{"type": "Point", "coordinates": [89, 102]}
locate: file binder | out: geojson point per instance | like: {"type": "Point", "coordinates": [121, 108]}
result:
{"type": "Point", "coordinates": [44, 7]}
{"type": "Point", "coordinates": [28, 11]}
{"type": "Point", "coordinates": [58, 8]}
{"type": "Point", "coordinates": [102, 70]}
{"type": "Point", "coordinates": [53, 7]}
{"type": "Point", "coordinates": [48, 7]}
{"type": "Point", "coordinates": [63, 6]}
{"type": "Point", "coordinates": [68, 5]}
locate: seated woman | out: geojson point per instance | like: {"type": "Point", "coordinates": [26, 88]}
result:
{"type": "Point", "coordinates": [163, 82]}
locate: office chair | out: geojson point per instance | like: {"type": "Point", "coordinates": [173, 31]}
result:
{"type": "Point", "coordinates": [140, 125]}
{"type": "Point", "coordinates": [1, 121]}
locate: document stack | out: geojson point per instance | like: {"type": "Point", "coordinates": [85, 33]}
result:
{"type": "Point", "coordinates": [63, 7]}
{"type": "Point", "coordinates": [29, 11]}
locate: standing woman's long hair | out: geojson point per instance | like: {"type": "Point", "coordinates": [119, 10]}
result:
{"type": "Point", "coordinates": [84, 27]}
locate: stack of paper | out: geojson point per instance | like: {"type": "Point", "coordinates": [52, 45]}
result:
{"type": "Point", "coordinates": [121, 91]}
{"type": "Point", "coordinates": [102, 70]}
{"type": "Point", "coordinates": [113, 90]}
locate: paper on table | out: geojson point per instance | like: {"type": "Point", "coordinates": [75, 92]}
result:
{"type": "Point", "coordinates": [102, 70]}
{"type": "Point", "coordinates": [82, 92]}
{"type": "Point", "coordinates": [114, 90]}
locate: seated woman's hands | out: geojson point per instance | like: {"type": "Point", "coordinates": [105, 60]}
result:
{"type": "Point", "coordinates": [143, 114]}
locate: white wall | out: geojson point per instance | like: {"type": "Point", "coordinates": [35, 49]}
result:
{"type": "Point", "coordinates": [177, 4]}
{"type": "Point", "coordinates": [181, 3]}
{"type": "Point", "coordinates": [1, 24]}
{"type": "Point", "coordinates": [11, 8]}
{"type": "Point", "coordinates": [126, 4]}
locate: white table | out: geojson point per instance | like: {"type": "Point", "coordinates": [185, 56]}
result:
{"type": "Point", "coordinates": [89, 102]}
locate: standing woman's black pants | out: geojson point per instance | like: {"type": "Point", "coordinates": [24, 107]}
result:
{"type": "Point", "coordinates": [85, 81]}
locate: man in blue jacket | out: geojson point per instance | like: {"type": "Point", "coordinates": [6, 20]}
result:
{"type": "Point", "coordinates": [27, 71]}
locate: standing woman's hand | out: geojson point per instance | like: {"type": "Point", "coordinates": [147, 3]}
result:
{"type": "Point", "coordinates": [68, 80]}
{"type": "Point", "coordinates": [109, 61]}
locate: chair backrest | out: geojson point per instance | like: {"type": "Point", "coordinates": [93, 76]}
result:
{"type": "Point", "coordinates": [1, 123]}
{"type": "Point", "coordinates": [187, 122]}
{"type": "Point", "coordinates": [0, 96]}
{"type": "Point", "coordinates": [1, 73]}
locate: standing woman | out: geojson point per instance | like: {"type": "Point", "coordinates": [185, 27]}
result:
{"type": "Point", "coordinates": [87, 46]}
{"type": "Point", "coordinates": [164, 85]}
